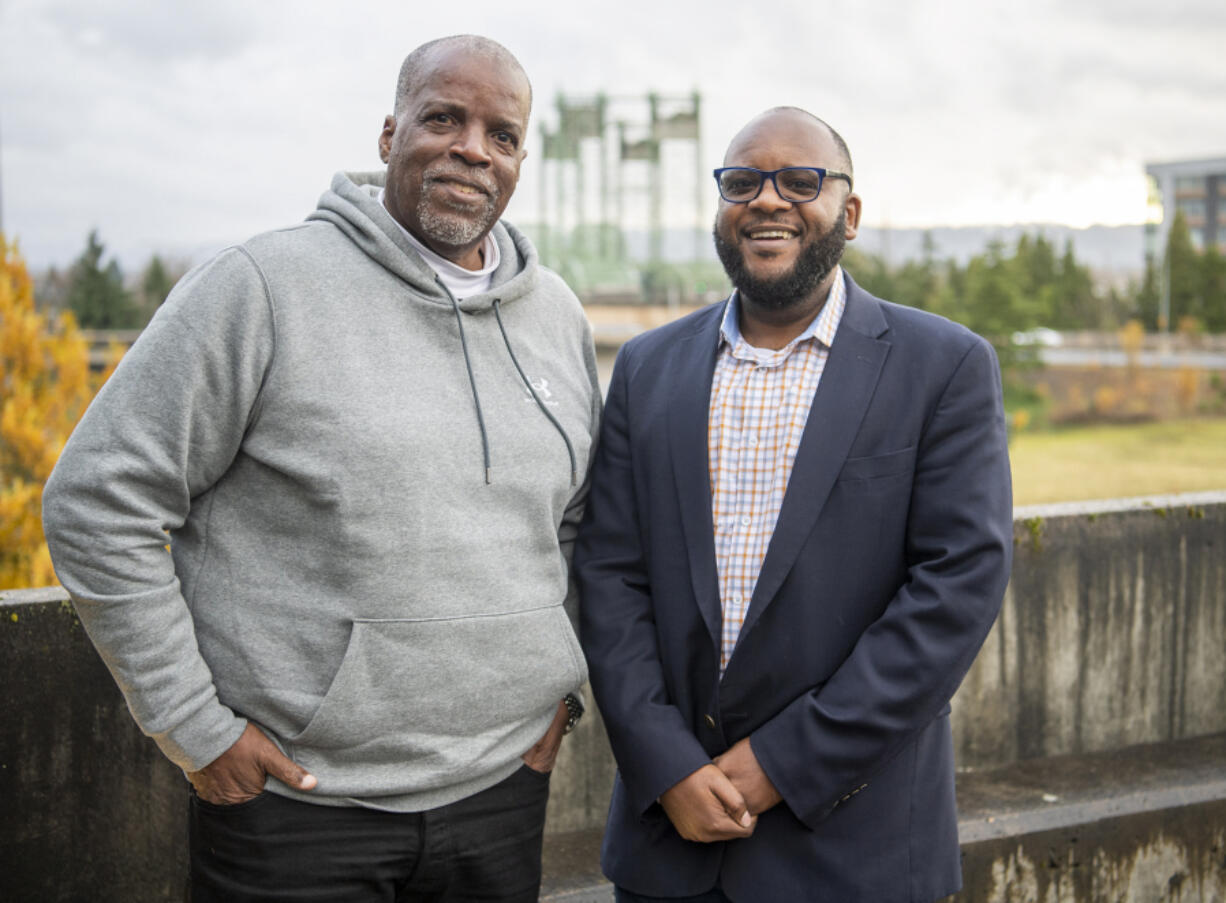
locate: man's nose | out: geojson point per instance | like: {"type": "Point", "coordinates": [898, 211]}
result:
{"type": "Point", "coordinates": [768, 198]}
{"type": "Point", "coordinates": [470, 146]}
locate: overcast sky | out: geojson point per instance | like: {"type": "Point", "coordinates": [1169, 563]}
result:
{"type": "Point", "coordinates": [182, 127]}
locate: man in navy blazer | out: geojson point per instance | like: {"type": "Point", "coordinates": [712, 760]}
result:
{"type": "Point", "coordinates": [791, 742]}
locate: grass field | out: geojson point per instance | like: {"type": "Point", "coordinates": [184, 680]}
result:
{"type": "Point", "coordinates": [1102, 462]}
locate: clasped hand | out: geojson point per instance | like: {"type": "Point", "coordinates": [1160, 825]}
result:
{"type": "Point", "coordinates": [721, 801]}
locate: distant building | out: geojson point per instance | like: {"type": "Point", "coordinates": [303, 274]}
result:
{"type": "Point", "coordinates": [1198, 189]}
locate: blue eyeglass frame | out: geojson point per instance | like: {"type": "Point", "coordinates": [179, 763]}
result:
{"type": "Point", "coordinates": [763, 175]}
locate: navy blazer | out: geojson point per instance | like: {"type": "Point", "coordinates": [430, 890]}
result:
{"type": "Point", "coordinates": [884, 573]}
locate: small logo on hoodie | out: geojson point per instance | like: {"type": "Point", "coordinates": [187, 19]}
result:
{"type": "Point", "coordinates": [541, 386]}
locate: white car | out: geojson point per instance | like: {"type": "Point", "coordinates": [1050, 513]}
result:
{"type": "Point", "coordinates": [1040, 335]}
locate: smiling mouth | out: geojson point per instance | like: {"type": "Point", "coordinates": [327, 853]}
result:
{"type": "Point", "coordinates": [769, 234]}
{"type": "Point", "coordinates": [460, 187]}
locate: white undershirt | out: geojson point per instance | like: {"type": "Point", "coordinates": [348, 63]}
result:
{"type": "Point", "coordinates": [461, 282]}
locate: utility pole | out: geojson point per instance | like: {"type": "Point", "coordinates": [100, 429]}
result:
{"type": "Point", "coordinates": [701, 185]}
{"type": "Point", "coordinates": [1, 183]}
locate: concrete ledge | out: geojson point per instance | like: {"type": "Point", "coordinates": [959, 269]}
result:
{"type": "Point", "coordinates": [12, 598]}
{"type": "Point", "coordinates": [1144, 823]}
{"type": "Point", "coordinates": [1097, 507]}
{"type": "Point", "coordinates": [1066, 791]}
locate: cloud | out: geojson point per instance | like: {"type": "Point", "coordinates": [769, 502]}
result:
{"type": "Point", "coordinates": [199, 124]}
{"type": "Point", "coordinates": [1186, 16]}
{"type": "Point", "coordinates": [155, 32]}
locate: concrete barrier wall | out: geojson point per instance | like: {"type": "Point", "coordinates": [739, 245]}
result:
{"type": "Point", "coordinates": [1113, 633]}
{"type": "Point", "coordinates": [89, 808]}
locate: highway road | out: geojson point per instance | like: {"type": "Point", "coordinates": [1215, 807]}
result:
{"type": "Point", "coordinates": [1108, 357]}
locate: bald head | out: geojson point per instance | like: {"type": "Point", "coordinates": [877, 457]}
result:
{"type": "Point", "coordinates": [418, 63]}
{"type": "Point", "coordinates": [782, 254]}
{"type": "Point", "coordinates": [798, 122]}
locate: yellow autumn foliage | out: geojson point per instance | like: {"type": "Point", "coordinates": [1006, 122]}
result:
{"type": "Point", "coordinates": [45, 386]}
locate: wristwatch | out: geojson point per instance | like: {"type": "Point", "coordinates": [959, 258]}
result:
{"type": "Point", "coordinates": [574, 711]}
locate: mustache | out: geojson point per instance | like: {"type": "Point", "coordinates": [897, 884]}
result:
{"type": "Point", "coordinates": [467, 176]}
{"type": "Point", "coordinates": [761, 221]}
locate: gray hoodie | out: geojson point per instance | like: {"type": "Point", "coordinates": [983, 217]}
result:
{"type": "Point", "coordinates": [309, 417]}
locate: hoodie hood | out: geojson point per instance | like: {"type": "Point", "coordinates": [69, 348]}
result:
{"type": "Point", "coordinates": [351, 204]}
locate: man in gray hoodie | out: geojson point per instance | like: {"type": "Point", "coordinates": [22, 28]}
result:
{"type": "Point", "coordinates": [366, 436]}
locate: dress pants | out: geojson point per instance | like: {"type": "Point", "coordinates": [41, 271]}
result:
{"type": "Point", "coordinates": [271, 848]}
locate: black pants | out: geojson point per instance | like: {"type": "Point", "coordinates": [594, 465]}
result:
{"type": "Point", "coordinates": [712, 896]}
{"type": "Point", "coordinates": [486, 847]}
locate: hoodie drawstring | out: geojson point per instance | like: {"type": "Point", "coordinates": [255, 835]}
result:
{"type": "Point", "coordinates": [472, 382]}
{"type": "Point", "coordinates": [485, 442]}
{"type": "Point", "coordinates": [570, 449]}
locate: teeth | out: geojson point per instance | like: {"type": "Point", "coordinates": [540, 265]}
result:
{"type": "Point", "coordinates": [460, 187]}
{"type": "Point", "coordinates": [771, 233]}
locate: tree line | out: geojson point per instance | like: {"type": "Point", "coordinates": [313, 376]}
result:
{"type": "Point", "coordinates": [996, 293]}
{"type": "Point", "coordinates": [98, 294]}
{"type": "Point", "coordinates": [1005, 290]}
{"type": "Point", "coordinates": [46, 381]}
{"type": "Point", "coordinates": [1197, 285]}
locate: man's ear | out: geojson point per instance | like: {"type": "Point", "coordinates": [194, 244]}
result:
{"type": "Point", "coordinates": [852, 208]}
{"type": "Point", "coordinates": [385, 137]}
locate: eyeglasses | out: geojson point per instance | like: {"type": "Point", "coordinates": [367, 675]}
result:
{"type": "Point", "coordinates": [796, 184]}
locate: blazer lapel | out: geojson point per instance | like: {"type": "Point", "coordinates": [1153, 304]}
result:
{"type": "Point", "coordinates": [689, 403]}
{"type": "Point", "coordinates": [847, 385]}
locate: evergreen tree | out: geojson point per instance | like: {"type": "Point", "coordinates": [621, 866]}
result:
{"type": "Point", "coordinates": [1073, 305]}
{"type": "Point", "coordinates": [1183, 273]}
{"type": "Point", "coordinates": [1034, 268]}
{"type": "Point", "coordinates": [1213, 289]}
{"type": "Point", "coordinates": [994, 303]}
{"type": "Point", "coordinates": [1116, 308]}
{"type": "Point", "coordinates": [1035, 263]}
{"type": "Point", "coordinates": [155, 284]}
{"type": "Point", "coordinates": [870, 272]}
{"type": "Point", "coordinates": [955, 283]}
{"type": "Point", "coordinates": [96, 294]}
{"type": "Point", "coordinates": [51, 290]}
{"type": "Point", "coordinates": [995, 306]}
{"type": "Point", "coordinates": [918, 282]}
{"type": "Point", "coordinates": [1148, 298]}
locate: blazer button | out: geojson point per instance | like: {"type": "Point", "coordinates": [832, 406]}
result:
{"type": "Point", "coordinates": [709, 720]}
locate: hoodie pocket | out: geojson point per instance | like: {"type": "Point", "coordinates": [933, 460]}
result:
{"type": "Point", "coordinates": [420, 704]}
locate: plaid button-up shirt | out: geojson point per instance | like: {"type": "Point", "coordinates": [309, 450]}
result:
{"type": "Point", "coordinates": [760, 401]}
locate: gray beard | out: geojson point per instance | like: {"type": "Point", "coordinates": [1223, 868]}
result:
{"type": "Point", "coordinates": [453, 226]}
{"type": "Point", "coordinates": [815, 263]}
